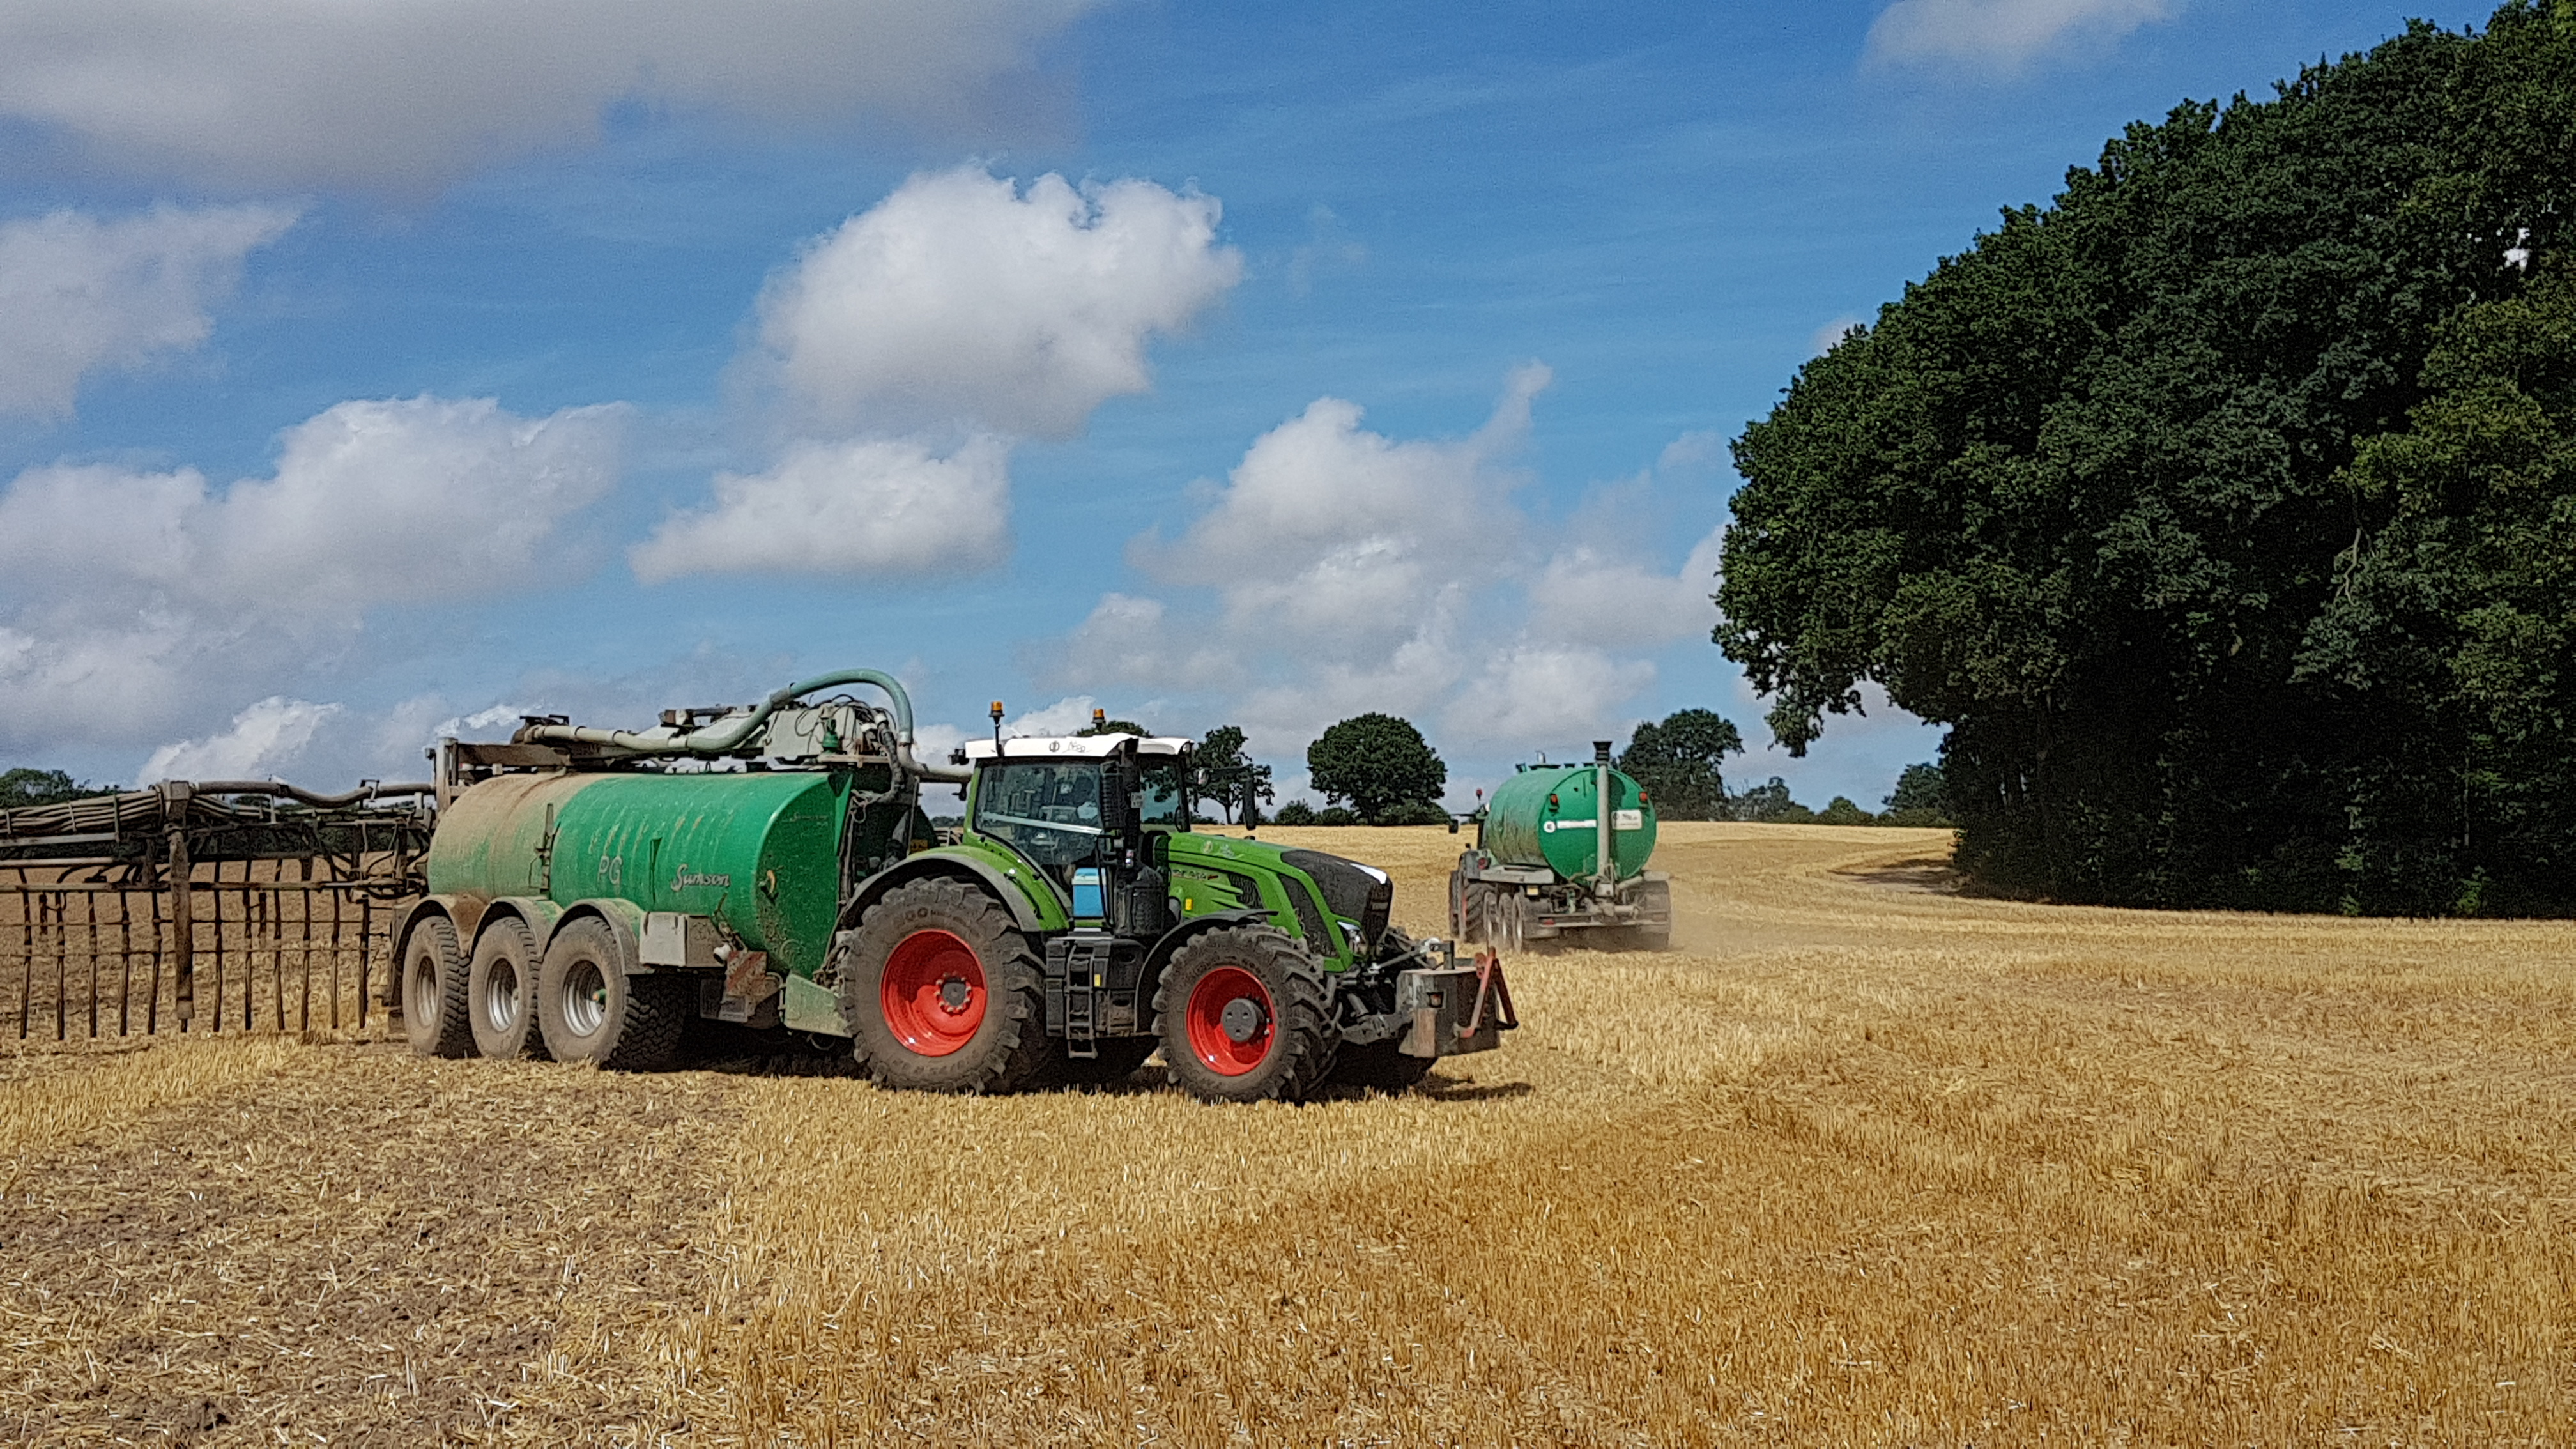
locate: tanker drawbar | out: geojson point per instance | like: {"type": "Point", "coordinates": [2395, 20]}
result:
{"type": "Point", "coordinates": [593, 891]}
{"type": "Point", "coordinates": [1562, 850]}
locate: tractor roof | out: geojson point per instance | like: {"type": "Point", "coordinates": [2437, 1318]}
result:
{"type": "Point", "coordinates": [1021, 747]}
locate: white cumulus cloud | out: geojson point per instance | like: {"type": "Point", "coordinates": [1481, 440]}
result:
{"type": "Point", "coordinates": [81, 294]}
{"type": "Point", "coordinates": [265, 740]}
{"type": "Point", "coordinates": [1345, 539]}
{"type": "Point", "coordinates": [1588, 594]}
{"type": "Point", "coordinates": [1344, 570]}
{"type": "Point", "coordinates": [415, 92]}
{"type": "Point", "coordinates": [1532, 692]}
{"type": "Point", "coordinates": [883, 506]}
{"type": "Point", "coordinates": [130, 601]}
{"type": "Point", "coordinates": [914, 345]}
{"type": "Point", "coordinates": [961, 299]}
{"type": "Point", "coordinates": [2002, 35]}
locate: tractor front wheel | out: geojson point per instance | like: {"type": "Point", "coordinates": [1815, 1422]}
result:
{"type": "Point", "coordinates": [1243, 1017]}
{"type": "Point", "coordinates": [942, 993]}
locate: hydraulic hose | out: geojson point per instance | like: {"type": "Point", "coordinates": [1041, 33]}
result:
{"type": "Point", "coordinates": [728, 738]}
{"type": "Point", "coordinates": [293, 792]}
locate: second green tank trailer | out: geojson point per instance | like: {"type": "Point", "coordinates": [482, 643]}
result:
{"type": "Point", "coordinates": [590, 891]}
{"type": "Point", "coordinates": [1563, 849]}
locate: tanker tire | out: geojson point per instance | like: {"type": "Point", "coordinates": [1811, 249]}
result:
{"type": "Point", "coordinates": [1301, 1037]}
{"type": "Point", "coordinates": [1008, 1051]}
{"type": "Point", "coordinates": [590, 1010]}
{"type": "Point", "coordinates": [501, 992]}
{"type": "Point", "coordinates": [434, 992]}
{"type": "Point", "coordinates": [1119, 1059]}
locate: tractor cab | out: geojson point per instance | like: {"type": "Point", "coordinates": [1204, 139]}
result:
{"type": "Point", "coordinates": [1092, 813]}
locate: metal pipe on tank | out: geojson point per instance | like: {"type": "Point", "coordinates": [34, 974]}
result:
{"type": "Point", "coordinates": [1606, 852]}
{"type": "Point", "coordinates": [725, 738]}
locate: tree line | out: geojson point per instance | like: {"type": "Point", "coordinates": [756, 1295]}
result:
{"type": "Point", "coordinates": [2224, 508]}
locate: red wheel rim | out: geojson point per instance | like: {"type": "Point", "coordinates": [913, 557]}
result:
{"type": "Point", "coordinates": [1209, 1036]}
{"type": "Point", "coordinates": [933, 993]}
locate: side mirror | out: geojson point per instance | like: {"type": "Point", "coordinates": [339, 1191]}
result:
{"type": "Point", "coordinates": [1251, 811]}
{"type": "Point", "coordinates": [1453, 824]}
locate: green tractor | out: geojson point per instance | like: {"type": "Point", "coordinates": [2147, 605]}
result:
{"type": "Point", "coordinates": [590, 891]}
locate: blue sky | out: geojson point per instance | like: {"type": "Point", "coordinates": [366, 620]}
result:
{"type": "Point", "coordinates": [386, 369]}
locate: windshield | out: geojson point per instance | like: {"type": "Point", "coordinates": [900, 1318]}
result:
{"type": "Point", "coordinates": [1047, 810]}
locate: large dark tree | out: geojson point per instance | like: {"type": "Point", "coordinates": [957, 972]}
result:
{"type": "Point", "coordinates": [23, 787]}
{"type": "Point", "coordinates": [2224, 509]}
{"type": "Point", "coordinates": [1225, 771]}
{"type": "Point", "coordinates": [1677, 763]}
{"type": "Point", "coordinates": [1376, 762]}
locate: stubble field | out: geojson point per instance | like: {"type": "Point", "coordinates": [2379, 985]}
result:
{"type": "Point", "coordinates": [1862, 1162]}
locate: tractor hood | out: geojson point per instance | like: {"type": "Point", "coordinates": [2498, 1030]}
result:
{"type": "Point", "coordinates": [1360, 894]}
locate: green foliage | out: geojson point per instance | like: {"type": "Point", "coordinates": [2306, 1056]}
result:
{"type": "Point", "coordinates": [1295, 812]}
{"type": "Point", "coordinates": [1376, 762]}
{"type": "Point", "coordinates": [2225, 508]}
{"type": "Point", "coordinates": [1111, 727]}
{"type": "Point", "coordinates": [1224, 771]}
{"type": "Point", "coordinates": [1920, 799]}
{"type": "Point", "coordinates": [22, 787]}
{"type": "Point", "coordinates": [1841, 810]}
{"type": "Point", "coordinates": [1413, 812]}
{"type": "Point", "coordinates": [1677, 763]}
{"type": "Point", "coordinates": [1337, 815]}
{"type": "Point", "coordinates": [1770, 805]}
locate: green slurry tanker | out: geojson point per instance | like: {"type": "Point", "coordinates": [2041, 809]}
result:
{"type": "Point", "coordinates": [1563, 849]}
{"type": "Point", "coordinates": [592, 891]}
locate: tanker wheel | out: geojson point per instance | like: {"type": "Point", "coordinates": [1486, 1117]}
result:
{"type": "Point", "coordinates": [1119, 1059]}
{"type": "Point", "coordinates": [434, 992]}
{"type": "Point", "coordinates": [591, 1010]}
{"type": "Point", "coordinates": [501, 992]}
{"type": "Point", "coordinates": [1510, 930]}
{"type": "Point", "coordinates": [943, 994]}
{"type": "Point", "coordinates": [1243, 1017]}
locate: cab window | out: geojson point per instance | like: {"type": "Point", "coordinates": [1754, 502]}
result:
{"type": "Point", "coordinates": [1165, 799]}
{"type": "Point", "coordinates": [1047, 810]}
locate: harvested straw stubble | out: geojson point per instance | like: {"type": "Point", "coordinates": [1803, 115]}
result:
{"type": "Point", "coordinates": [1864, 1163]}
{"type": "Point", "coordinates": [362, 1248]}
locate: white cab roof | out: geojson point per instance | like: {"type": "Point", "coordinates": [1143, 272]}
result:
{"type": "Point", "coordinates": [1025, 747]}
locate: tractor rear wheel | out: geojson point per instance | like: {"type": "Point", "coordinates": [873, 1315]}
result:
{"type": "Point", "coordinates": [943, 994]}
{"type": "Point", "coordinates": [591, 1010]}
{"type": "Point", "coordinates": [501, 992]}
{"type": "Point", "coordinates": [1243, 1017]}
{"type": "Point", "coordinates": [434, 991]}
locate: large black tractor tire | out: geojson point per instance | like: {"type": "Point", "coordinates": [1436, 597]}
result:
{"type": "Point", "coordinates": [591, 1010]}
{"type": "Point", "coordinates": [1120, 1058]}
{"type": "Point", "coordinates": [1243, 1017]}
{"type": "Point", "coordinates": [501, 992]}
{"type": "Point", "coordinates": [943, 994]}
{"type": "Point", "coordinates": [434, 991]}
